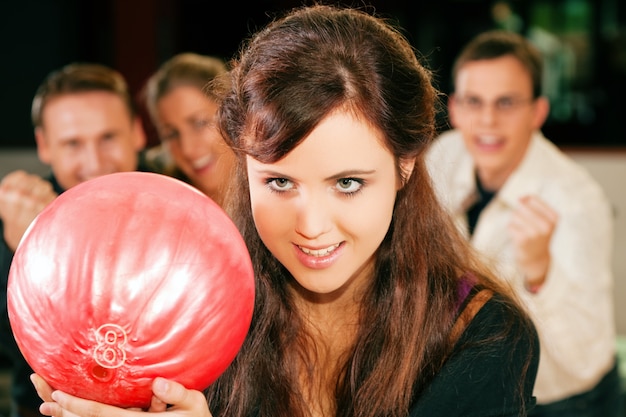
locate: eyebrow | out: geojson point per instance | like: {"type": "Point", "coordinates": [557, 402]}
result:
{"type": "Point", "coordinates": [506, 95]}
{"type": "Point", "coordinates": [200, 114]}
{"type": "Point", "coordinates": [351, 173]}
{"type": "Point", "coordinates": [343, 174]}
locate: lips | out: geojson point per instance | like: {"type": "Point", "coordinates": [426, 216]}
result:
{"type": "Point", "coordinates": [489, 143]}
{"type": "Point", "coordinates": [489, 140]}
{"type": "Point", "coordinates": [319, 258]}
{"type": "Point", "coordinates": [202, 163]}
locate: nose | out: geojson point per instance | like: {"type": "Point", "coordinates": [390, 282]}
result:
{"type": "Point", "coordinates": [189, 144]}
{"type": "Point", "coordinates": [487, 114]}
{"type": "Point", "coordinates": [313, 217]}
{"type": "Point", "coordinates": [92, 161]}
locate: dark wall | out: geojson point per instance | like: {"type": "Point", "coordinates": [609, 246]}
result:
{"type": "Point", "coordinates": [136, 36]}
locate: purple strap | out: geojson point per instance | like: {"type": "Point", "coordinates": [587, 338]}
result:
{"type": "Point", "coordinates": [466, 283]}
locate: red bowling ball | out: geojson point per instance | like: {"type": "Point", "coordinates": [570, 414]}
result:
{"type": "Point", "coordinates": [127, 277]}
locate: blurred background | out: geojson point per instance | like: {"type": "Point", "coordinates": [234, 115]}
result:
{"type": "Point", "coordinates": [584, 42]}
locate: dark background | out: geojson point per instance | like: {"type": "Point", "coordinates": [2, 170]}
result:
{"type": "Point", "coordinates": [584, 43]}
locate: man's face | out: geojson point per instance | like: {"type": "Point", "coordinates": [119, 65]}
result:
{"type": "Point", "coordinates": [494, 108]}
{"type": "Point", "coordinates": [86, 135]}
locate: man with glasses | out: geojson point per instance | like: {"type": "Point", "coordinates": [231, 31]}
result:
{"type": "Point", "coordinates": [538, 216]}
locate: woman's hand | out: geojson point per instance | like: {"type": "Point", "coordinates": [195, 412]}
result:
{"type": "Point", "coordinates": [183, 402]}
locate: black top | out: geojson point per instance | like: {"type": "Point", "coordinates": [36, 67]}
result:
{"type": "Point", "coordinates": [483, 380]}
{"type": "Point", "coordinates": [482, 377]}
{"type": "Point", "coordinates": [484, 198]}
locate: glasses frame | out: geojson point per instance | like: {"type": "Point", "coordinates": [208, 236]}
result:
{"type": "Point", "coordinates": [505, 105]}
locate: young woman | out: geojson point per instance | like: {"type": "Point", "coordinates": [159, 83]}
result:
{"type": "Point", "coordinates": [368, 302]}
{"type": "Point", "coordinates": [182, 98]}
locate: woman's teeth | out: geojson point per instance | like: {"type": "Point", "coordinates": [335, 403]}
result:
{"type": "Point", "coordinates": [319, 252]}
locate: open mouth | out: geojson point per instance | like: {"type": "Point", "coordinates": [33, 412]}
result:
{"type": "Point", "coordinates": [319, 252]}
{"type": "Point", "coordinates": [201, 163]}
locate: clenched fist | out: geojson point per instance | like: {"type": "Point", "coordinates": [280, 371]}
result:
{"type": "Point", "coordinates": [531, 228]}
{"type": "Point", "coordinates": [22, 197]}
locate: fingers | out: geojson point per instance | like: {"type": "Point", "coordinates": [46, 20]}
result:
{"type": "Point", "coordinates": [534, 207]}
{"type": "Point", "coordinates": [20, 190]}
{"type": "Point", "coordinates": [180, 399]}
{"type": "Point", "coordinates": [41, 386]}
{"type": "Point", "coordinates": [25, 184]}
{"type": "Point", "coordinates": [48, 408]}
{"type": "Point", "coordinates": [51, 409]}
{"type": "Point", "coordinates": [171, 392]}
{"type": "Point", "coordinates": [533, 218]}
{"type": "Point", "coordinates": [531, 227]}
{"type": "Point", "coordinates": [22, 197]}
{"type": "Point", "coordinates": [19, 181]}
{"type": "Point", "coordinates": [156, 405]}
{"type": "Point", "coordinates": [66, 405]}
{"type": "Point", "coordinates": [60, 404]}
{"type": "Point", "coordinates": [13, 179]}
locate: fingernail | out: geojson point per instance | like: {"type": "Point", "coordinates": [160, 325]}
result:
{"type": "Point", "coordinates": [161, 385]}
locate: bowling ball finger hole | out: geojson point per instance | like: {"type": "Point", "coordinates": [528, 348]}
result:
{"type": "Point", "coordinates": [101, 373]}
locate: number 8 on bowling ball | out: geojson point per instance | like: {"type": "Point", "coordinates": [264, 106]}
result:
{"type": "Point", "coordinates": [127, 277]}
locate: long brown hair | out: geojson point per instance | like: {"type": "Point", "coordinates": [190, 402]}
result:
{"type": "Point", "coordinates": [289, 77]}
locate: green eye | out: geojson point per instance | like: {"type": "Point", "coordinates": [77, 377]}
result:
{"type": "Point", "coordinates": [349, 185]}
{"type": "Point", "coordinates": [279, 184]}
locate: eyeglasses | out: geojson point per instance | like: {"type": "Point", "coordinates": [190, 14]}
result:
{"type": "Point", "coordinates": [503, 105]}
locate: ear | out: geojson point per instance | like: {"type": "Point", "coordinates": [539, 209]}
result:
{"type": "Point", "coordinates": [43, 151]}
{"type": "Point", "coordinates": [542, 109]}
{"type": "Point", "coordinates": [452, 111]}
{"type": "Point", "coordinates": [406, 169]}
{"type": "Point", "coordinates": [139, 134]}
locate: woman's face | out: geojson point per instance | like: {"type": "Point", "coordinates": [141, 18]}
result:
{"type": "Point", "coordinates": [187, 128]}
{"type": "Point", "coordinates": [324, 209]}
